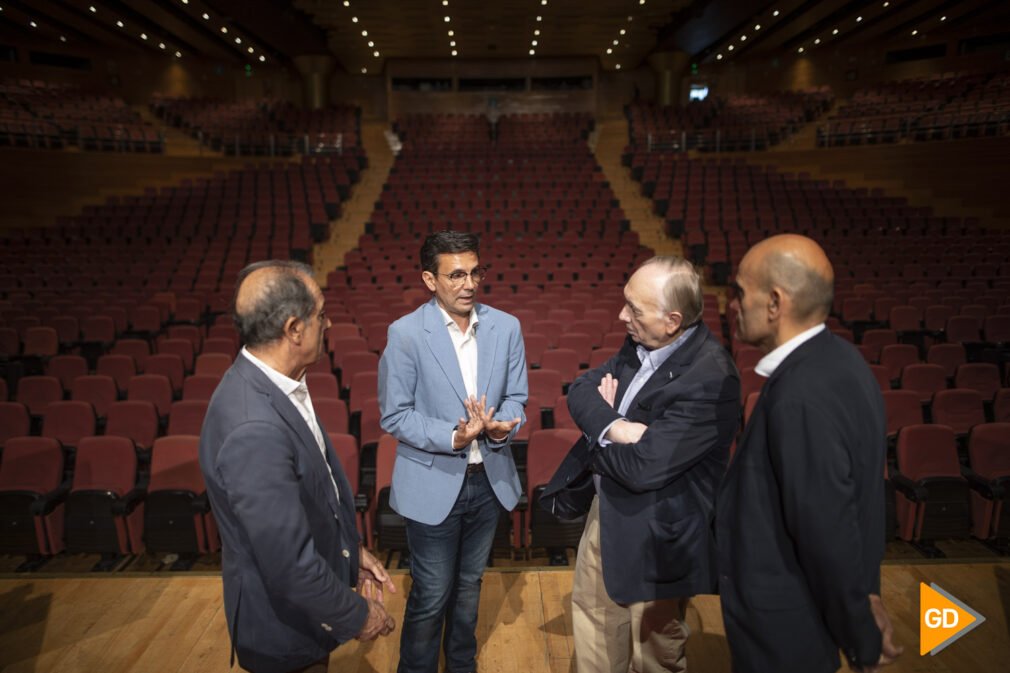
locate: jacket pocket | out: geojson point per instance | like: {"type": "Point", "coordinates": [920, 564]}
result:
{"type": "Point", "coordinates": [675, 546]}
{"type": "Point", "coordinates": [416, 455]}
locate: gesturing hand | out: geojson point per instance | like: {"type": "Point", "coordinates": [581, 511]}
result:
{"type": "Point", "coordinates": [495, 430]}
{"type": "Point", "coordinates": [467, 429]}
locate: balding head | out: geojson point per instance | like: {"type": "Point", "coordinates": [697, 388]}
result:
{"type": "Point", "coordinates": [797, 266]}
{"type": "Point", "coordinates": [268, 295]}
{"type": "Point", "coordinates": [785, 285]}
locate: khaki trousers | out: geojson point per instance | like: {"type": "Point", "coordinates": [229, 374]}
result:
{"type": "Point", "coordinates": [645, 637]}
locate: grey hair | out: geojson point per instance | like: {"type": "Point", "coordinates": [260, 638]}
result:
{"type": "Point", "coordinates": [682, 289]}
{"type": "Point", "coordinates": [812, 294]}
{"type": "Point", "coordinates": [285, 295]}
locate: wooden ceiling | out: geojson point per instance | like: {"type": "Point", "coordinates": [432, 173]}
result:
{"type": "Point", "coordinates": [363, 34]}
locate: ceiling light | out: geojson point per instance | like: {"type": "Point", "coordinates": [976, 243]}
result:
{"type": "Point", "coordinates": [800, 50]}
{"type": "Point", "coordinates": [448, 19]}
{"type": "Point", "coordinates": [730, 47]}
{"type": "Point", "coordinates": [354, 19]}
{"type": "Point", "coordinates": [743, 38]}
{"type": "Point", "coordinates": [445, 3]}
{"type": "Point", "coordinates": [371, 44]}
{"type": "Point", "coordinates": [536, 32]}
{"type": "Point", "coordinates": [616, 42]}
{"type": "Point", "coordinates": [618, 66]}
{"type": "Point", "coordinates": [630, 18]}
{"type": "Point", "coordinates": [775, 13]}
{"type": "Point", "coordinates": [543, 2]}
{"type": "Point", "coordinates": [178, 54]}
{"type": "Point", "coordinates": [817, 41]}
{"type": "Point", "coordinates": [35, 25]}
{"type": "Point", "coordinates": [185, 2]}
{"type": "Point", "coordinates": [454, 52]}
{"type": "Point", "coordinates": [63, 38]}
{"type": "Point", "coordinates": [943, 18]}
{"type": "Point", "coordinates": [347, 3]}
{"type": "Point", "coordinates": [224, 29]}
{"type": "Point", "coordinates": [364, 33]}
{"type": "Point", "coordinates": [757, 26]}
{"type": "Point", "coordinates": [452, 43]}
{"type": "Point", "coordinates": [858, 19]}
{"type": "Point", "coordinates": [718, 57]}
{"type": "Point", "coordinates": [540, 18]}
{"type": "Point", "coordinates": [206, 16]}
{"type": "Point", "coordinates": [375, 53]}
{"type": "Point", "coordinates": [834, 32]}
{"type": "Point", "coordinates": [915, 32]}
{"type": "Point", "coordinates": [93, 10]}
{"type": "Point", "coordinates": [886, 4]}
{"type": "Point", "coordinates": [263, 59]}
{"type": "Point", "coordinates": [610, 50]}
{"type": "Point", "coordinates": [364, 71]}
{"type": "Point", "coordinates": [251, 50]}
{"type": "Point", "coordinates": [119, 23]}
{"type": "Point", "coordinates": [143, 36]}
{"type": "Point", "coordinates": [533, 52]}
{"type": "Point", "coordinates": [161, 45]}
{"type": "Point", "coordinates": [451, 33]}
{"type": "Point", "coordinates": [534, 43]}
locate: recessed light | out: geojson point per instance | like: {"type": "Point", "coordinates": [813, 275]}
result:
{"type": "Point", "coordinates": [618, 66]}
{"type": "Point", "coordinates": [943, 18]}
{"type": "Point", "coordinates": [251, 50]}
{"type": "Point", "coordinates": [543, 2]}
{"type": "Point", "coordinates": [178, 54]}
{"type": "Point", "coordinates": [534, 43]}
{"type": "Point", "coordinates": [610, 50]}
{"type": "Point", "coordinates": [161, 45]}
{"type": "Point", "coordinates": [354, 19]}
{"type": "Point", "coordinates": [448, 19]}
{"type": "Point", "coordinates": [623, 31]}
{"type": "Point", "coordinates": [533, 52]}
{"type": "Point", "coordinates": [616, 42]}
{"type": "Point", "coordinates": [224, 30]}
{"type": "Point", "coordinates": [364, 71]}
{"type": "Point", "coordinates": [834, 32]}
{"type": "Point", "coordinates": [718, 57]}
{"type": "Point", "coordinates": [540, 18]}
{"type": "Point", "coordinates": [445, 3]}
{"type": "Point", "coordinates": [143, 36]}
{"type": "Point", "coordinates": [371, 44]}
{"type": "Point", "coordinates": [800, 50]}
{"type": "Point", "coordinates": [886, 4]}
{"type": "Point", "coordinates": [630, 18]}
{"type": "Point", "coordinates": [775, 13]}
{"type": "Point", "coordinates": [35, 25]}
{"type": "Point", "coordinates": [858, 19]}
{"type": "Point", "coordinates": [730, 48]}
{"type": "Point", "coordinates": [364, 33]}
{"type": "Point", "coordinates": [347, 3]}
{"type": "Point", "coordinates": [915, 32]}
{"type": "Point", "coordinates": [206, 16]}
{"type": "Point", "coordinates": [263, 59]}
{"type": "Point", "coordinates": [454, 52]}
{"type": "Point", "coordinates": [375, 53]}
{"type": "Point", "coordinates": [536, 32]}
{"type": "Point", "coordinates": [185, 2]}
{"type": "Point", "coordinates": [452, 43]}
{"type": "Point", "coordinates": [817, 41]}
{"type": "Point", "coordinates": [63, 38]}
{"type": "Point", "coordinates": [743, 38]}
{"type": "Point", "coordinates": [93, 10]}
{"type": "Point", "coordinates": [119, 23]}
{"type": "Point", "coordinates": [238, 40]}
{"type": "Point", "coordinates": [451, 33]}
{"type": "Point", "coordinates": [757, 26]}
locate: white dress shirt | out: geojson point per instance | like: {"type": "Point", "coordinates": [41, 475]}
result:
{"type": "Point", "coordinates": [767, 365]}
{"type": "Point", "coordinates": [298, 393]}
{"type": "Point", "coordinates": [465, 345]}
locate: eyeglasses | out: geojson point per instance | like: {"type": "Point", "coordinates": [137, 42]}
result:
{"type": "Point", "coordinates": [458, 277]}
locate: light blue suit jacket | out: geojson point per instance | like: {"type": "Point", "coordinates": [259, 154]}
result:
{"type": "Point", "coordinates": [421, 396]}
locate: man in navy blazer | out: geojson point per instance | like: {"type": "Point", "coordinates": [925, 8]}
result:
{"type": "Point", "coordinates": [800, 513]}
{"type": "Point", "coordinates": [447, 368]}
{"type": "Point", "coordinates": [658, 419]}
{"type": "Point", "coordinates": [291, 557]}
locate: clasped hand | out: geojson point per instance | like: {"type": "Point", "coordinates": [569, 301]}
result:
{"type": "Point", "coordinates": [480, 420]}
{"type": "Point", "coordinates": [622, 431]}
{"type": "Point", "coordinates": [372, 577]}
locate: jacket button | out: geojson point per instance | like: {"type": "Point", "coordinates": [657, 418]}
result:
{"type": "Point", "coordinates": [464, 455]}
{"type": "Point", "coordinates": [346, 553]}
{"type": "Point", "coordinates": [326, 627]}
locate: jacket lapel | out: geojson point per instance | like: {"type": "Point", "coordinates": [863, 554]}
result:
{"type": "Point", "coordinates": [487, 346]}
{"type": "Point", "coordinates": [674, 365]}
{"type": "Point", "coordinates": [628, 366]}
{"type": "Point", "coordinates": [440, 345]}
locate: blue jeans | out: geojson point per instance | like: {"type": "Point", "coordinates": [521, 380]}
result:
{"type": "Point", "coordinates": [446, 564]}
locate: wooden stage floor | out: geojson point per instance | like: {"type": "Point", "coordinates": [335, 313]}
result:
{"type": "Point", "coordinates": [174, 622]}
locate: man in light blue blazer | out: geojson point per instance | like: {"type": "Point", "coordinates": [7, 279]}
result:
{"type": "Point", "coordinates": [447, 368]}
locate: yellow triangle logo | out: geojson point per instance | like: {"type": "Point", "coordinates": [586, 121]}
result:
{"type": "Point", "coordinates": [942, 619]}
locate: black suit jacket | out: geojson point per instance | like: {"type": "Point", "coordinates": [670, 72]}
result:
{"type": "Point", "coordinates": [657, 495]}
{"type": "Point", "coordinates": [289, 549]}
{"type": "Point", "coordinates": [800, 516]}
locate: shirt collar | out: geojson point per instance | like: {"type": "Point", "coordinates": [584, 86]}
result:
{"type": "Point", "coordinates": [660, 355]}
{"type": "Point", "coordinates": [286, 384]}
{"type": "Point", "coordinates": [767, 365]}
{"type": "Point", "coordinates": [450, 323]}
